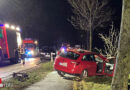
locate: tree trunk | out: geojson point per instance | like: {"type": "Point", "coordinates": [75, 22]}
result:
{"type": "Point", "coordinates": [120, 79]}
{"type": "Point", "coordinates": [90, 41]}
{"type": "Point", "coordinates": [87, 40]}
{"type": "Point", "coordinates": [90, 35]}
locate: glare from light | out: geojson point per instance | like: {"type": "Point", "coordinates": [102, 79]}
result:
{"type": "Point", "coordinates": [32, 59]}
{"type": "Point", "coordinates": [12, 27]}
{"type": "Point", "coordinates": [18, 28]}
{"type": "Point", "coordinates": [29, 53]}
{"type": "Point", "coordinates": [32, 63]}
{"type": "Point", "coordinates": [7, 25]}
{"type": "Point", "coordinates": [19, 39]}
{"type": "Point", "coordinates": [62, 50]}
{"type": "Point", "coordinates": [32, 52]}
{"type": "Point", "coordinates": [36, 42]}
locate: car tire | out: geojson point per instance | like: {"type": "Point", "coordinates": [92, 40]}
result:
{"type": "Point", "coordinates": [84, 74]}
{"type": "Point", "coordinates": [62, 74]}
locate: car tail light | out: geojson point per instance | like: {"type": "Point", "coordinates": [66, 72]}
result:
{"type": "Point", "coordinates": [76, 63]}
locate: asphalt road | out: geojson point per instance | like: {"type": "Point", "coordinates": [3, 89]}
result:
{"type": "Point", "coordinates": [7, 71]}
{"type": "Point", "coordinates": [52, 82]}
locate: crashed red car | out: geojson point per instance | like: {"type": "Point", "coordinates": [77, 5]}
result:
{"type": "Point", "coordinates": [83, 63]}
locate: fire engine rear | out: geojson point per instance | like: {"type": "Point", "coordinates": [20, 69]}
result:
{"type": "Point", "coordinates": [10, 41]}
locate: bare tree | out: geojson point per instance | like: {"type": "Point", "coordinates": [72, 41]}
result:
{"type": "Point", "coordinates": [110, 43]}
{"type": "Point", "coordinates": [89, 14]}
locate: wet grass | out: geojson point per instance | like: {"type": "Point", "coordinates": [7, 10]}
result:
{"type": "Point", "coordinates": [35, 75]}
{"type": "Point", "coordinates": [93, 83]}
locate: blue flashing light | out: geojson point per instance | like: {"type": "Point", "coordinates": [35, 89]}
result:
{"type": "Point", "coordinates": [63, 49]}
{"type": "Point", "coordinates": [1, 25]}
{"type": "Point", "coordinates": [29, 53]}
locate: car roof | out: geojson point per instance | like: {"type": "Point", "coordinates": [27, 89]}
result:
{"type": "Point", "coordinates": [81, 51]}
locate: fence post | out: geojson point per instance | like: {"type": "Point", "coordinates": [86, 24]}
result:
{"type": "Point", "coordinates": [51, 57]}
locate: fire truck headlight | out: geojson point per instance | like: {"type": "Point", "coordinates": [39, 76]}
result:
{"type": "Point", "coordinates": [7, 25]}
{"type": "Point", "coordinates": [36, 42]}
{"type": "Point", "coordinates": [18, 28]}
{"type": "Point", "coordinates": [32, 52]}
{"type": "Point", "coordinates": [29, 53]}
{"type": "Point", "coordinates": [12, 27]}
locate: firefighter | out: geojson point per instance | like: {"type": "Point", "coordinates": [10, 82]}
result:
{"type": "Point", "coordinates": [22, 52]}
{"type": "Point", "coordinates": [99, 63]}
{"type": "Point", "coordinates": [17, 54]}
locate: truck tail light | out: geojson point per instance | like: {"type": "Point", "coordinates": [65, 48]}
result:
{"type": "Point", "coordinates": [76, 63]}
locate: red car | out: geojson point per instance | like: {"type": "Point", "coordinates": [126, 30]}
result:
{"type": "Point", "coordinates": [83, 63]}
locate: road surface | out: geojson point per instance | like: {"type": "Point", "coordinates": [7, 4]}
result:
{"type": "Point", "coordinates": [52, 82]}
{"type": "Point", "coordinates": [6, 72]}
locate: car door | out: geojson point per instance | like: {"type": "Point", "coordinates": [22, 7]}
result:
{"type": "Point", "coordinates": [101, 61]}
{"type": "Point", "coordinates": [88, 62]}
{"type": "Point", "coordinates": [110, 66]}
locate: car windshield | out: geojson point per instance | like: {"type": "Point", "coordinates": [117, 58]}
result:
{"type": "Point", "coordinates": [70, 55]}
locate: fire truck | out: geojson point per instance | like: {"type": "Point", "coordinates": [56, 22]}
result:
{"type": "Point", "coordinates": [31, 47]}
{"type": "Point", "coordinates": [10, 41]}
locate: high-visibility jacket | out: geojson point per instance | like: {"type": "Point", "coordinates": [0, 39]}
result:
{"type": "Point", "coordinates": [22, 51]}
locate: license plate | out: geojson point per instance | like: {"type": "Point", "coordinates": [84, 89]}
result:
{"type": "Point", "coordinates": [63, 64]}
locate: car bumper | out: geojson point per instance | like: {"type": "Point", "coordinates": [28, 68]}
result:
{"type": "Point", "coordinates": [71, 72]}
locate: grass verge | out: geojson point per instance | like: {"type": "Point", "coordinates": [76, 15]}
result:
{"type": "Point", "coordinates": [34, 76]}
{"type": "Point", "coordinates": [93, 83]}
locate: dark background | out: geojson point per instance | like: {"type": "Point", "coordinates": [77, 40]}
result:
{"type": "Point", "coordinates": [46, 20]}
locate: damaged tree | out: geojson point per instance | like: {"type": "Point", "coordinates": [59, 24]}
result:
{"type": "Point", "coordinates": [120, 79]}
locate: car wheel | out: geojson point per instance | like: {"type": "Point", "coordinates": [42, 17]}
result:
{"type": "Point", "coordinates": [61, 73]}
{"type": "Point", "coordinates": [84, 74]}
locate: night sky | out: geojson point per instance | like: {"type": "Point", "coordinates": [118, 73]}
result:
{"type": "Point", "coordinates": [47, 20]}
